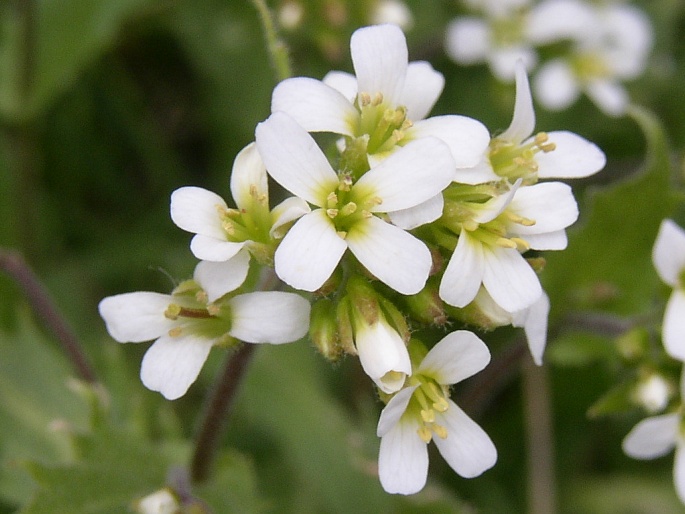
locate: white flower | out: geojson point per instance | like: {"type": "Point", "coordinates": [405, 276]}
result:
{"type": "Point", "coordinates": [423, 410]}
{"type": "Point", "coordinates": [395, 12]}
{"type": "Point", "coordinates": [384, 105]}
{"type": "Point", "coordinates": [222, 232]}
{"type": "Point", "coordinates": [160, 502]}
{"type": "Point", "coordinates": [492, 236]}
{"type": "Point", "coordinates": [346, 216]}
{"type": "Point", "coordinates": [515, 154]}
{"type": "Point", "coordinates": [668, 256]}
{"type": "Point", "coordinates": [498, 38]}
{"type": "Point", "coordinates": [195, 317]}
{"type": "Point", "coordinates": [613, 47]}
{"type": "Point", "coordinates": [658, 435]}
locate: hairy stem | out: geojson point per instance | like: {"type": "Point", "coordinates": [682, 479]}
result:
{"type": "Point", "coordinates": [217, 411]}
{"type": "Point", "coordinates": [278, 51]}
{"type": "Point", "coordinates": [42, 304]}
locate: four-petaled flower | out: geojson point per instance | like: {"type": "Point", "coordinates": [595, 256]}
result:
{"type": "Point", "coordinates": [222, 232]}
{"type": "Point", "coordinates": [198, 315]}
{"type": "Point", "coordinates": [348, 208]}
{"type": "Point", "coordinates": [384, 106]}
{"type": "Point", "coordinates": [422, 410]}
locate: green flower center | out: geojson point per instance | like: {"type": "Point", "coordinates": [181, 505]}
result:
{"type": "Point", "coordinates": [384, 125]}
{"type": "Point", "coordinates": [514, 161]}
{"type": "Point", "coordinates": [507, 30]}
{"type": "Point", "coordinates": [588, 66]}
{"type": "Point", "coordinates": [428, 399]}
{"type": "Point", "coordinates": [346, 206]}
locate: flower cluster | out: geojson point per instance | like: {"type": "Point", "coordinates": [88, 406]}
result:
{"type": "Point", "coordinates": [659, 434]}
{"type": "Point", "coordinates": [588, 47]}
{"type": "Point", "coordinates": [397, 222]}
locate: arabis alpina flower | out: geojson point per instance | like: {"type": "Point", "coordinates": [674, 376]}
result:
{"type": "Point", "coordinates": [221, 232]}
{"type": "Point", "coordinates": [668, 256]}
{"type": "Point", "coordinates": [423, 411]}
{"type": "Point", "coordinates": [199, 314]}
{"type": "Point", "coordinates": [658, 435]}
{"type": "Point", "coordinates": [516, 153]}
{"type": "Point", "coordinates": [613, 47]}
{"type": "Point", "coordinates": [383, 107]}
{"type": "Point", "coordinates": [348, 206]}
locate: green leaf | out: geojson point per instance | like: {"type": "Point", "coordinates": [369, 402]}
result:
{"type": "Point", "coordinates": [608, 261]}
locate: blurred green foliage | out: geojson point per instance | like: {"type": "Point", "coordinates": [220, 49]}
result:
{"type": "Point", "coordinates": [107, 106]}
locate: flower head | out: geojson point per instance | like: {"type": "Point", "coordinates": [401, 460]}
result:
{"type": "Point", "coordinates": [200, 313]}
{"type": "Point", "coordinates": [423, 410]}
{"type": "Point", "coordinates": [221, 232]}
{"type": "Point", "coordinates": [348, 207]}
{"type": "Point", "coordinates": [383, 107]}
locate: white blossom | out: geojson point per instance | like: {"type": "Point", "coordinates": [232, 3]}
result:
{"type": "Point", "coordinates": [422, 410]}
{"type": "Point", "coordinates": [198, 315]}
{"type": "Point", "coordinates": [347, 208]}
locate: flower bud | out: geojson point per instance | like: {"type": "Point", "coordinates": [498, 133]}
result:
{"type": "Point", "coordinates": [323, 329]}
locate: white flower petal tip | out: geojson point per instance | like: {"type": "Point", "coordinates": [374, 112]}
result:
{"type": "Point", "coordinates": [668, 254]}
{"type": "Point", "coordinates": [534, 323]}
{"type": "Point", "coordinates": [523, 121]}
{"type": "Point", "coordinates": [573, 157]}
{"type": "Point", "coordinates": [457, 356]}
{"type": "Point", "coordinates": [172, 364]}
{"type": "Point", "coordinates": [383, 356]}
{"type": "Point", "coordinates": [673, 329]}
{"type": "Point", "coordinates": [219, 278]}
{"type": "Point", "coordinates": [136, 317]}
{"type": "Point", "coordinates": [652, 437]}
{"type": "Point", "coordinates": [194, 209]}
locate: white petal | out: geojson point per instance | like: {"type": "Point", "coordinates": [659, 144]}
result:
{"type": "Point", "coordinates": [523, 121]}
{"type": "Point", "coordinates": [392, 255]}
{"type": "Point", "coordinates": [315, 106]}
{"type": "Point", "coordinates": [195, 210]}
{"type": "Point", "coordinates": [288, 210]}
{"type": "Point", "coordinates": [269, 317]}
{"type": "Point", "coordinates": [379, 55]}
{"type": "Point", "coordinates": [208, 248]}
{"type": "Point", "coordinates": [673, 331]}
{"type": "Point", "coordinates": [468, 139]}
{"type": "Point", "coordinates": [425, 212]}
{"type": "Point", "coordinates": [679, 471]}
{"type": "Point", "coordinates": [555, 20]}
{"type": "Point", "coordinates": [573, 157]}
{"type": "Point", "coordinates": [393, 411]}
{"type": "Point", "coordinates": [467, 449]}
{"type": "Point", "coordinates": [534, 323]}
{"type": "Point", "coordinates": [468, 40]}
{"type": "Point", "coordinates": [478, 174]}
{"type": "Point", "coordinates": [136, 317]}
{"type": "Point", "coordinates": [457, 356]}
{"type": "Point", "coordinates": [488, 211]}
{"type": "Point", "coordinates": [219, 278]}
{"type": "Point", "coordinates": [464, 272]}
{"type": "Point", "coordinates": [549, 241]}
{"type": "Point", "coordinates": [411, 175]}
{"type": "Point", "coordinates": [668, 254]}
{"type": "Point", "coordinates": [248, 171]}
{"type": "Point", "coordinates": [343, 82]}
{"type": "Point", "coordinates": [550, 204]}
{"type": "Point", "coordinates": [403, 459]}
{"type": "Point", "coordinates": [509, 279]}
{"type": "Point", "coordinates": [383, 355]}
{"type": "Point", "coordinates": [652, 437]}
{"type": "Point", "coordinates": [294, 160]}
{"type": "Point", "coordinates": [309, 252]}
{"type": "Point", "coordinates": [555, 85]}
{"type": "Point", "coordinates": [172, 364]}
{"type": "Point", "coordinates": [422, 88]}
{"type": "Point", "coordinates": [610, 96]}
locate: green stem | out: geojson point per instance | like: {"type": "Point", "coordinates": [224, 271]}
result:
{"type": "Point", "coordinates": [278, 50]}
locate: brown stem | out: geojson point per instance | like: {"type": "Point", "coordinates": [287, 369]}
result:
{"type": "Point", "coordinates": [217, 411]}
{"type": "Point", "coordinates": [12, 263]}
{"type": "Point", "coordinates": [540, 447]}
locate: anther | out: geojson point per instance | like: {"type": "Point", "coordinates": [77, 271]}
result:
{"type": "Point", "coordinates": [331, 213]}
{"type": "Point", "coordinates": [175, 332]}
{"type": "Point", "coordinates": [377, 99]}
{"type": "Point", "coordinates": [348, 209]}
{"type": "Point", "coordinates": [469, 225]}
{"type": "Point", "coordinates": [505, 243]}
{"type": "Point", "coordinates": [364, 99]}
{"type": "Point", "coordinates": [425, 434]}
{"type": "Point", "coordinates": [521, 244]}
{"type": "Point", "coordinates": [172, 311]}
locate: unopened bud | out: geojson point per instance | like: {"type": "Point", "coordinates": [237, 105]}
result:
{"type": "Point", "coordinates": [323, 329]}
